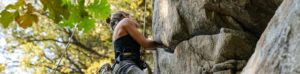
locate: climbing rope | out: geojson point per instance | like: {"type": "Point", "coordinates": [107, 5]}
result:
{"type": "Point", "coordinates": [67, 46]}
{"type": "Point", "coordinates": [144, 32]}
{"type": "Point", "coordinates": [145, 12]}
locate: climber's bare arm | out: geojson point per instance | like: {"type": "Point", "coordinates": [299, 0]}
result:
{"type": "Point", "coordinates": [132, 29]}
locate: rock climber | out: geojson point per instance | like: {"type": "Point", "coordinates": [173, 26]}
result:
{"type": "Point", "coordinates": [127, 41]}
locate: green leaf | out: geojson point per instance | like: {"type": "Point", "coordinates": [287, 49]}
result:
{"type": "Point", "coordinates": [56, 9]}
{"type": "Point", "coordinates": [81, 3]}
{"type": "Point", "coordinates": [65, 23]}
{"type": "Point", "coordinates": [16, 5]}
{"type": "Point", "coordinates": [86, 24]}
{"type": "Point", "coordinates": [7, 17]}
{"type": "Point", "coordinates": [99, 9]}
{"type": "Point", "coordinates": [72, 19]}
{"type": "Point", "coordinates": [66, 2]}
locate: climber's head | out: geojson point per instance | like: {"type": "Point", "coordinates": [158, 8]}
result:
{"type": "Point", "coordinates": [115, 18]}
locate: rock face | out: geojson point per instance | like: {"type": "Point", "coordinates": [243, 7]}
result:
{"type": "Point", "coordinates": [277, 50]}
{"type": "Point", "coordinates": [208, 36]}
{"type": "Point", "coordinates": [207, 53]}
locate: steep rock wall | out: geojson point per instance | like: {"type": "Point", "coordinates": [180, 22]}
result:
{"type": "Point", "coordinates": [277, 50]}
{"type": "Point", "coordinates": [208, 36]}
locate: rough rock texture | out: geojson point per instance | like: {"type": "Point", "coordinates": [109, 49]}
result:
{"type": "Point", "coordinates": [208, 36]}
{"type": "Point", "coordinates": [208, 53]}
{"type": "Point", "coordinates": [277, 51]}
{"type": "Point", "coordinates": [178, 20]}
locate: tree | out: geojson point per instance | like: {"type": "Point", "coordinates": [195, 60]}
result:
{"type": "Point", "coordinates": [53, 43]}
{"type": "Point", "coordinates": [65, 13]}
{"type": "Point", "coordinates": [47, 44]}
{"type": "Point", "coordinates": [48, 36]}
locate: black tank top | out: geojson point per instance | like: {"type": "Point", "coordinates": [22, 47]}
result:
{"type": "Point", "coordinates": [127, 44]}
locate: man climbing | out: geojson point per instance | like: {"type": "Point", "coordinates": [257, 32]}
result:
{"type": "Point", "coordinates": [127, 41]}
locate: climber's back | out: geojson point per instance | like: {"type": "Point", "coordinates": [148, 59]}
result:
{"type": "Point", "coordinates": [127, 41]}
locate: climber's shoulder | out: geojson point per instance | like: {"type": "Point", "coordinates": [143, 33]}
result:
{"type": "Point", "coordinates": [127, 22]}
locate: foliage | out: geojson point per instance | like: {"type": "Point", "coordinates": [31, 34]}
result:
{"type": "Point", "coordinates": [45, 43]}
{"type": "Point", "coordinates": [1, 68]}
{"type": "Point", "coordinates": [63, 12]}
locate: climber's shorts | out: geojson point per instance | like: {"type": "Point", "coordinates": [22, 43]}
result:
{"type": "Point", "coordinates": [127, 67]}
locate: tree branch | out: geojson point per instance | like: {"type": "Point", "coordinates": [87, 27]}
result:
{"type": "Point", "coordinates": [32, 40]}
{"type": "Point", "coordinates": [74, 42]}
{"type": "Point", "coordinates": [78, 43]}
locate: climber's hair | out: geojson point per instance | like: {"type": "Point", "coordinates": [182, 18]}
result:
{"type": "Point", "coordinates": [115, 18]}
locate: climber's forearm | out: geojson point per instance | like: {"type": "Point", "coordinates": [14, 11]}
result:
{"type": "Point", "coordinates": [153, 44]}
